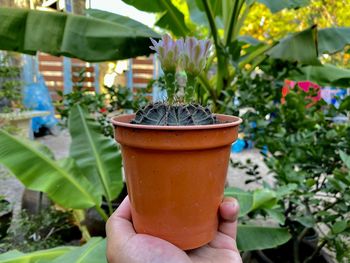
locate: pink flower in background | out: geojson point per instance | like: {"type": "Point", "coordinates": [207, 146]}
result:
{"type": "Point", "coordinates": [303, 85]}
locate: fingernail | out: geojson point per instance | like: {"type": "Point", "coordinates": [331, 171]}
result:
{"type": "Point", "coordinates": [232, 203]}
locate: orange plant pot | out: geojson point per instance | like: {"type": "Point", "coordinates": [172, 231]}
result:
{"type": "Point", "coordinates": [175, 177]}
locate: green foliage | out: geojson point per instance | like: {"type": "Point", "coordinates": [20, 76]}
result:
{"type": "Point", "coordinates": [308, 154]}
{"type": "Point", "coordinates": [15, 256]}
{"type": "Point", "coordinates": [323, 75]}
{"type": "Point", "coordinates": [58, 34]}
{"type": "Point", "coordinates": [326, 39]}
{"type": "Point", "coordinates": [226, 19]}
{"type": "Point", "coordinates": [252, 237]}
{"type": "Point", "coordinates": [97, 156]}
{"type": "Point", "coordinates": [122, 99]}
{"type": "Point", "coordinates": [272, 26]}
{"type": "Point", "coordinates": [47, 229]}
{"type": "Point", "coordinates": [65, 181]}
{"type": "Point", "coordinates": [305, 40]}
{"type": "Point", "coordinates": [91, 252]}
{"type": "Point", "coordinates": [115, 98]}
{"type": "Point", "coordinates": [171, 18]}
{"type": "Point", "coordinates": [276, 6]}
{"type": "Point", "coordinates": [5, 206]}
{"type": "Point", "coordinates": [10, 86]}
{"type": "Point", "coordinates": [94, 103]}
{"type": "Point", "coordinates": [67, 185]}
{"type": "Point", "coordinates": [5, 216]}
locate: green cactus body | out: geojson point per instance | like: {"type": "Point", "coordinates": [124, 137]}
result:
{"type": "Point", "coordinates": [163, 114]}
{"type": "Point", "coordinates": [170, 82]}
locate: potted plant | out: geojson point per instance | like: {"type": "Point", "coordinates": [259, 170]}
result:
{"type": "Point", "coordinates": [13, 115]}
{"type": "Point", "coordinates": [5, 216]}
{"type": "Point", "coordinates": [176, 152]}
{"type": "Point", "coordinates": [308, 154]}
{"type": "Point", "coordinates": [10, 87]}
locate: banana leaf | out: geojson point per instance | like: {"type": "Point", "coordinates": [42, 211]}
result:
{"type": "Point", "coordinates": [97, 156]}
{"type": "Point", "coordinates": [42, 256]}
{"type": "Point", "coordinates": [171, 18]}
{"type": "Point", "coordinates": [62, 181]}
{"type": "Point", "coordinates": [252, 200]}
{"type": "Point", "coordinates": [118, 19]}
{"type": "Point", "coordinates": [92, 252]}
{"type": "Point", "coordinates": [300, 47]}
{"type": "Point", "coordinates": [323, 75]}
{"type": "Point", "coordinates": [251, 237]}
{"type": "Point", "coordinates": [334, 39]}
{"type": "Point", "coordinates": [197, 12]}
{"type": "Point", "coordinates": [278, 5]}
{"type": "Point", "coordinates": [244, 198]}
{"type": "Point", "coordinates": [345, 158]}
{"type": "Point", "coordinates": [88, 38]}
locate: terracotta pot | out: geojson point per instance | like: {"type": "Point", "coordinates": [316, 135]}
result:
{"type": "Point", "coordinates": [175, 177]}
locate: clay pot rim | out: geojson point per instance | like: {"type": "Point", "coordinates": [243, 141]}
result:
{"type": "Point", "coordinates": [227, 121]}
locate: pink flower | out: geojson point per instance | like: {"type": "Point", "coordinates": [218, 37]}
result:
{"type": "Point", "coordinates": [194, 56]}
{"type": "Point", "coordinates": [169, 52]}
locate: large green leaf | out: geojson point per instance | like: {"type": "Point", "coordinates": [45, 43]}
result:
{"type": "Point", "coordinates": [250, 201]}
{"type": "Point", "coordinates": [197, 15]}
{"type": "Point", "coordinates": [332, 40]}
{"type": "Point", "coordinates": [42, 256]}
{"type": "Point", "coordinates": [197, 12]}
{"type": "Point", "coordinates": [300, 47]}
{"type": "Point", "coordinates": [97, 156]}
{"type": "Point", "coordinates": [118, 19]}
{"type": "Point", "coordinates": [264, 198]}
{"type": "Point", "coordinates": [87, 38]}
{"type": "Point", "coordinates": [171, 18]}
{"type": "Point", "coordinates": [62, 181]}
{"type": "Point", "coordinates": [244, 198]}
{"type": "Point", "coordinates": [278, 5]}
{"type": "Point", "coordinates": [250, 237]}
{"type": "Point", "coordinates": [92, 252]}
{"type": "Point", "coordinates": [323, 75]}
{"type": "Point", "coordinates": [345, 158]}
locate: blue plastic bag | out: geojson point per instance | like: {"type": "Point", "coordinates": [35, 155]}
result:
{"type": "Point", "coordinates": [36, 96]}
{"type": "Point", "coordinates": [238, 146]}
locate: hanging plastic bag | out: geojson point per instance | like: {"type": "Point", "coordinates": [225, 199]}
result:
{"type": "Point", "coordinates": [36, 96]}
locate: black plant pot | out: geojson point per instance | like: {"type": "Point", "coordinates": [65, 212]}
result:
{"type": "Point", "coordinates": [34, 201]}
{"type": "Point", "coordinates": [311, 237]}
{"type": "Point", "coordinates": [284, 254]}
{"type": "Point", "coordinates": [5, 217]}
{"type": "Point", "coordinates": [4, 103]}
{"type": "Point", "coordinates": [93, 221]}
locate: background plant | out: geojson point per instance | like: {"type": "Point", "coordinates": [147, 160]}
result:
{"type": "Point", "coordinates": [10, 86]}
{"type": "Point", "coordinates": [235, 53]}
{"type": "Point", "coordinates": [47, 229]}
{"type": "Point", "coordinates": [5, 216]}
{"type": "Point", "coordinates": [90, 173]}
{"type": "Point", "coordinates": [308, 155]}
{"type": "Point", "coordinates": [99, 105]}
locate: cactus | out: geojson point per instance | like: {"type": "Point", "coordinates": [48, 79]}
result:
{"type": "Point", "coordinates": [185, 59]}
{"type": "Point", "coordinates": [163, 114]}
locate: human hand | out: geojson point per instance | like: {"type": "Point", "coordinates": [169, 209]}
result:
{"type": "Point", "coordinates": [124, 245]}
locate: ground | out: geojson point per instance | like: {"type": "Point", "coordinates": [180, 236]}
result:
{"type": "Point", "coordinates": [13, 190]}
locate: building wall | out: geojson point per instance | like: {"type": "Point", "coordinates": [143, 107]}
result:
{"type": "Point", "coordinates": [20, 3]}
